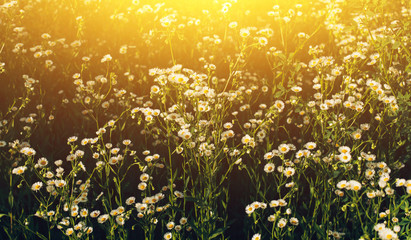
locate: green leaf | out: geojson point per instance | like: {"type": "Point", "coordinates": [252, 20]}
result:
{"type": "Point", "coordinates": [320, 231]}
{"type": "Point", "coordinates": [117, 201]}
{"type": "Point", "coordinates": [196, 230]}
{"type": "Point", "coordinates": [11, 199]}
{"type": "Point", "coordinates": [336, 174]}
{"type": "Point", "coordinates": [217, 232]}
{"type": "Point", "coordinates": [197, 201]}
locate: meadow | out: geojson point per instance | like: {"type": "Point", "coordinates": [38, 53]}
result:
{"type": "Point", "coordinates": [208, 119]}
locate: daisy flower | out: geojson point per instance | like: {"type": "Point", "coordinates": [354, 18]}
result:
{"type": "Point", "coordinates": [289, 171]}
{"type": "Point", "coordinates": [256, 236]}
{"type": "Point", "coordinates": [36, 186]}
{"type": "Point", "coordinates": [269, 167]}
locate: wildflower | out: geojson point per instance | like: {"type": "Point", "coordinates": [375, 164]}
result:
{"type": "Point", "coordinates": [296, 89]}
{"type": "Point", "coordinates": [148, 158]}
{"type": "Point", "coordinates": [141, 207]}
{"type": "Point", "coordinates": [249, 209]}
{"type": "Point", "coordinates": [256, 205]}
{"type": "Point", "coordinates": [289, 171]}
{"type": "Point", "coordinates": [19, 170]}
{"type": "Point", "coordinates": [344, 149]}
{"type": "Point", "coordinates": [71, 157]}
{"type": "Point", "coordinates": [356, 135]}
{"type": "Point", "coordinates": [294, 221]}
{"type": "Point", "coordinates": [178, 194]}
{"type": "Point", "coordinates": [379, 227]}
{"type": "Point", "coordinates": [339, 193]}
{"type": "Point", "coordinates": [336, 72]}
{"type": "Point", "coordinates": [382, 183]}
{"type": "Point", "coordinates": [282, 202]}
{"type": "Point", "coordinates": [301, 35]}
{"type": "Point", "coordinates": [28, 151]}
{"type": "Point", "coordinates": [170, 225]}
{"type": "Point", "coordinates": [127, 142]}
{"type": "Point", "coordinates": [104, 105]}
{"type": "Point", "coordinates": [146, 152]}
{"type": "Point", "coordinates": [342, 184]}
{"type": "Point", "coordinates": [369, 173]}
{"type": "Point", "coordinates": [381, 165]}
{"type": "Point", "coordinates": [268, 155]}
{"type": "Point", "coordinates": [344, 157]}
{"type": "Point", "coordinates": [120, 220]}
{"type": "Point", "coordinates": [269, 167]}
{"type": "Point", "coordinates": [385, 177]}
{"type": "Point", "coordinates": [290, 185]}
{"type": "Point", "coordinates": [103, 218]}
{"type": "Point", "coordinates": [178, 78]}
{"type": "Point", "coordinates": [106, 58]}
{"type": "Point", "coordinates": [228, 125]}
{"type": "Point", "coordinates": [185, 134]}
{"type": "Point", "coordinates": [183, 220]}
{"type": "Point", "coordinates": [69, 231]}
{"type": "Point", "coordinates": [256, 236]}
{"type": "Point", "coordinates": [74, 213]}
{"type": "Point", "coordinates": [144, 177]}
{"type": "Point", "coordinates": [246, 139]}
{"type": "Point", "coordinates": [323, 106]}
{"type": "Point", "coordinates": [400, 182]}
{"type": "Point", "coordinates": [282, 223]}
{"type": "Point", "coordinates": [271, 218]}
{"type": "Point", "coordinates": [178, 228]}
{"type": "Point", "coordinates": [50, 213]}
{"type": "Point", "coordinates": [36, 186]}
{"type": "Point", "coordinates": [389, 191]}
{"type": "Point", "coordinates": [42, 162]}
{"type": "Point", "coordinates": [72, 139]}
{"type": "Point", "coordinates": [232, 24]}
{"type": "Point", "coordinates": [369, 157]}
{"type": "Point", "coordinates": [262, 41]}
{"type": "Point", "coordinates": [274, 203]}
{"type": "Point", "coordinates": [365, 126]}
{"type": "Point", "coordinates": [88, 230]}
{"type": "Point", "coordinates": [371, 194]}
{"type": "Point", "coordinates": [279, 105]}
{"type": "Point", "coordinates": [387, 233]}
{"type": "Point", "coordinates": [155, 89]}
{"type": "Point", "coordinates": [114, 150]}
{"type": "Point", "coordinates": [84, 212]}
{"type": "Point", "coordinates": [130, 200]}
{"type": "Point", "coordinates": [60, 183]}
{"type": "Point", "coordinates": [310, 145]}
{"type": "Point", "coordinates": [78, 226]}
{"type": "Point", "coordinates": [168, 235]}
{"type": "Point", "coordinates": [283, 148]}
{"type": "Point", "coordinates": [142, 186]}
{"type": "Point", "coordinates": [74, 207]}
{"type": "Point", "coordinates": [113, 160]}
{"type": "Point", "coordinates": [354, 185]}
{"type": "Point", "coordinates": [244, 32]}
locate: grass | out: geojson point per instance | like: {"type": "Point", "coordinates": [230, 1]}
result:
{"type": "Point", "coordinates": [207, 120]}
